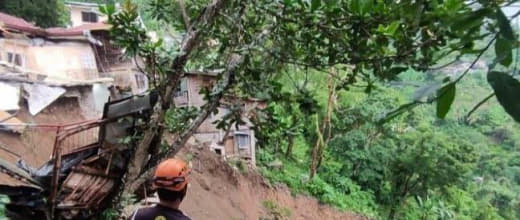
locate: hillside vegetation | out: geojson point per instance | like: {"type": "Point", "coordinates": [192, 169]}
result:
{"type": "Point", "coordinates": [361, 113]}
{"type": "Point", "coordinates": [415, 166]}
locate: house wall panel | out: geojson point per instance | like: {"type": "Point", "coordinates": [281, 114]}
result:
{"type": "Point", "coordinates": [71, 60]}
{"type": "Point", "coordinates": [76, 17]}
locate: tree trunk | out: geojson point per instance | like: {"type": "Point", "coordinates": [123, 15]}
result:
{"type": "Point", "coordinates": [391, 215]}
{"type": "Point", "coordinates": [317, 151]}
{"type": "Point", "coordinates": [209, 107]}
{"type": "Point", "coordinates": [289, 152]}
{"type": "Point", "coordinates": [140, 157]}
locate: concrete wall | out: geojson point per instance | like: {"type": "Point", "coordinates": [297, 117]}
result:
{"type": "Point", "coordinates": [76, 17]}
{"type": "Point", "coordinates": [128, 80]}
{"type": "Point", "coordinates": [14, 46]}
{"type": "Point", "coordinates": [73, 60]}
{"type": "Point", "coordinates": [65, 60]}
{"type": "Point", "coordinates": [208, 132]}
{"type": "Point", "coordinates": [195, 84]}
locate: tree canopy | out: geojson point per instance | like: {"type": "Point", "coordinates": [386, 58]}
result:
{"type": "Point", "coordinates": [44, 13]}
{"type": "Point", "coordinates": [379, 152]}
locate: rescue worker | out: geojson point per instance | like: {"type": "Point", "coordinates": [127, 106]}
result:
{"type": "Point", "coordinates": [171, 182]}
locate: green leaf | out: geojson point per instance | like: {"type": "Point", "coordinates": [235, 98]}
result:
{"type": "Point", "coordinates": [394, 71]}
{"type": "Point", "coordinates": [315, 4]}
{"type": "Point", "coordinates": [471, 20]}
{"type": "Point", "coordinates": [366, 6]}
{"type": "Point", "coordinates": [507, 90]}
{"type": "Point", "coordinates": [504, 25]}
{"type": "Point", "coordinates": [158, 43]}
{"type": "Point", "coordinates": [385, 117]}
{"type": "Point", "coordinates": [390, 29]}
{"type": "Point", "coordinates": [102, 10]}
{"type": "Point", "coordinates": [503, 51]}
{"type": "Point", "coordinates": [446, 98]}
{"type": "Point", "coordinates": [332, 3]}
{"type": "Point", "coordinates": [355, 6]}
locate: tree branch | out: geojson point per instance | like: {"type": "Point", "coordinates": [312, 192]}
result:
{"type": "Point", "coordinates": [218, 92]}
{"type": "Point", "coordinates": [478, 106]}
{"type": "Point", "coordinates": [235, 61]}
{"type": "Point", "coordinates": [185, 16]}
{"type": "Point", "coordinates": [190, 41]}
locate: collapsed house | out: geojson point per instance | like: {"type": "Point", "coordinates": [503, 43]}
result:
{"type": "Point", "coordinates": [61, 153]}
{"type": "Point", "coordinates": [56, 62]}
{"type": "Point", "coordinates": [55, 130]}
{"type": "Point", "coordinates": [87, 162]}
{"type": "Point", "coordinates": [237, 142]}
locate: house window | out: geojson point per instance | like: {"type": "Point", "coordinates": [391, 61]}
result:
{"type": "Point", "coordinates": [182, 89]}
{"type": "Point", "coordinates": [242, 140]}
{"type": "Point", "coordinates": [91, 17]}
{"type": "Point", "coordinates": [140, 80]}
{"type": "Point", "coordinates": [15, 59]}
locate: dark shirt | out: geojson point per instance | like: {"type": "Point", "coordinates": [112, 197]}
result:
{"type": "Point", "coordinates": [158, 212]}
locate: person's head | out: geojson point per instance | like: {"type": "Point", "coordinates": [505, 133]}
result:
{"type": "Point", "coordinates": [171, 180]}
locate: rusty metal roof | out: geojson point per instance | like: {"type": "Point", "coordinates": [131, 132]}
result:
{"type": "Point", "coordinates": [18, 24]}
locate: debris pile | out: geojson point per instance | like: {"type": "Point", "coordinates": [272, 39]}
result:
{"type": "Point", "coordinates": [86, 165]}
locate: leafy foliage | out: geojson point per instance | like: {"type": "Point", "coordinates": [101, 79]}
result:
{"type": "Point", "coordinates": [506, 89]}
{"type": "Point", "coordinates": [48, 13]}
{"type": "Point", "coordinates": [177, 119]}
{"type": "Point", "coordinates": [414, 165]}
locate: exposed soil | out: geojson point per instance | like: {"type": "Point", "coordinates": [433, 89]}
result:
{"type": "Point", "coordinates": [35, 144]}
{"type": "Point", "coordinates": [218, 191]}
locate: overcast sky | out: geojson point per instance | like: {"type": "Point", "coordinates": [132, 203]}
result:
{"type": "Point", "coordinates": [511, 10]}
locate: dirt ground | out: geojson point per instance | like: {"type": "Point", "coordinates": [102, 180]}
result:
{"type": "Point", "coordinates": [217, 191]}
{"type": "Point", "coordinates": [35, 145]}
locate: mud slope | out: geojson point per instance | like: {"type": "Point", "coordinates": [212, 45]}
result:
{"type": "Point", "coordinates": [218, 191]}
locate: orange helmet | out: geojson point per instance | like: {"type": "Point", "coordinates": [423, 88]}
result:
{"type": "Point", "coordinates": [171, 174]}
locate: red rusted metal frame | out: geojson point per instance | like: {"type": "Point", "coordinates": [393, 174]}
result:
{"type": "Point", "coordinates": [62, 132]}
{"type": "Point", "coordinates": [56, 155]}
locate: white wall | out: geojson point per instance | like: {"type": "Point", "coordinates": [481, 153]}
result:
{"type": "Point", "coordinates": [76, 18]}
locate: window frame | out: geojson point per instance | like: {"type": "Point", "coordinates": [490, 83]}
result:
{"type": "Point", "coordinates": [239, 135]}
{"type": "Point", "coordinates": [89, 16]}
{"type": "Point", "coordinates": [15, 59]}
{"type": "Point", "coordinates": [182, 88]}
{"type": "Point", "coordinates": [140, 80]}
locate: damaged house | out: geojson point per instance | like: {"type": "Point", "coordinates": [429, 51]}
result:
{"type": "Point", "coordinates": [237, 142]}
{"type": "Point", "coordinates": [55, 83]}
{"type": "Point", "coordinates": [61, 153]}
{"type": "Point", "coordinates": [65, 62]}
